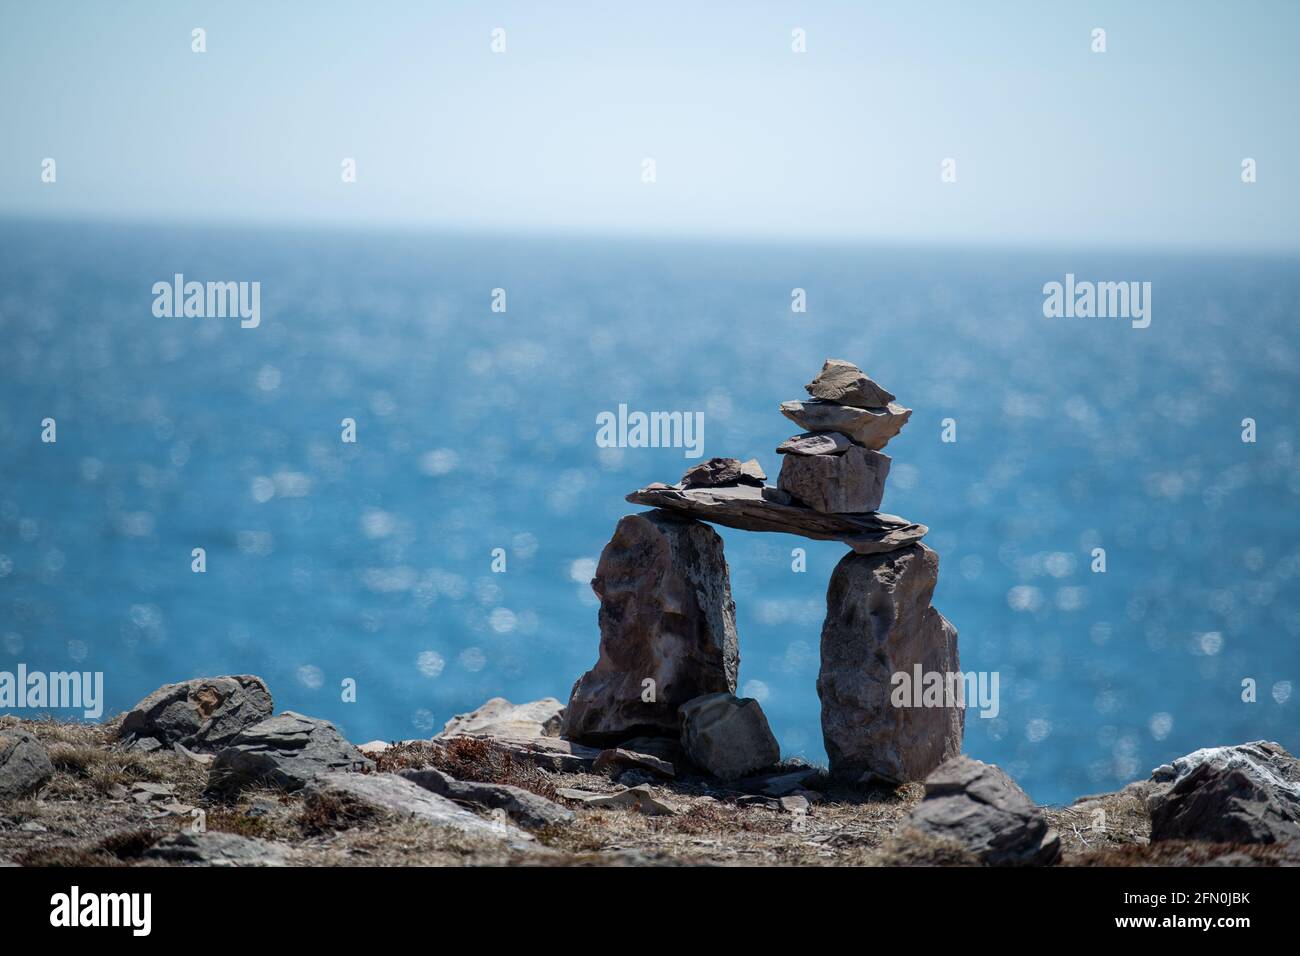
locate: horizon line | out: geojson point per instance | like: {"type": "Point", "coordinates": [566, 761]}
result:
{"type": "Point", "coordinates": [451, 230]}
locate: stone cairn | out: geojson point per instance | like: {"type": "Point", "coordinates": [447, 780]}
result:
{"type": "Point", "coordinates": [669, 652]}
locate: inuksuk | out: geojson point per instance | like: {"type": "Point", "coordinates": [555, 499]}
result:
{"type": "Point", "coordinates": [667, 619]}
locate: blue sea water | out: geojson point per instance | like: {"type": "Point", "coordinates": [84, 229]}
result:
{"type": "Point", "coordinates": [476, 430]}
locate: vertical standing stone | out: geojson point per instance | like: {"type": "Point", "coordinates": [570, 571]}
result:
{"type": "Point", "coordinates": [667, 629]}
{"type": "Point", "coordinates": [879, 623]}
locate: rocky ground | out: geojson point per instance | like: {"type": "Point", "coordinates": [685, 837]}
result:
{"type": "Point", "coordinates": [106, 804]}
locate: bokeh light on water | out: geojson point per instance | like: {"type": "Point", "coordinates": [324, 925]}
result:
{"type": "Point", "coordinates": [476, 431]}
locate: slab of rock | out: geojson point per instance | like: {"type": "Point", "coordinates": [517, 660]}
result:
{"type": "Point", "coordinates": [530, 810]}
{"type": "Point", "coordinates": [666, 616]}
{"type": "Point", "coordinates": [783, 782]}
{"type": "Point", "coordinates": [1248, 793]}
{"type": "Point", "coordinates": [853, 482]}
{"type": "Point", "coordinates": [728, 736]}
{"type": "Point", "coordinates": [25, 766]}
{"type": "Point", "coordinates": [285, 751]}
{"type": "Point", "coordinates": [668, 749]}
{"type": "Point", "coordinates": [390, 793]}
{"type": "Point", "coordinates": [720, 472]}
{"type": "Point", "coordinates": [204, 759]}
{"type": "Point", "coordinates": [979, 806]}
{"type": "Point", "coordinates": [640, 798]}
{"type": "Point", "coordinates": [146, 791]}
{"type": "Point", "coordinates": [872, 427]}
{"type": "Point", "coordinates": [202, 714]}
{"type": "Point", "coordinates": [499, 717]}
{"type": "Point", "coordinates": [618, 759]}
{"type": "Point", "coordinates": [794, 803]}
{"type": "Point", "coordinates": [760, 801]}
{"type": "Point", "coordinates": [771, 509]}
{"type": "Point", "coordinates": [215, 848]}
{"type": "Point", "coordinates": [815, 443]}
{"type": "Point", "coordinates": [1268, 762]}
{"type": "Point", "coordinates": [846, 384]}
{"type": "Point", "coordinates": [879, 623]}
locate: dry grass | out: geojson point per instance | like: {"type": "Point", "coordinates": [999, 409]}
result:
{"type": "Point", "coordinates": [324, 812]}
{"type": "Point", "coordinates": [1103, 822]}
{"type": "Point", "coordinates": [908, 846]}
{"type": "Point", "coordinates": [116, 849]}
{"type": "Point", "coordinates": [227, 820]}
{"type": "Point", "coordinates": [102, 770]}
{"type": "Point", "coordinates": [1188, 853]}
{"type": "Point", "coordinates": [468, 758]}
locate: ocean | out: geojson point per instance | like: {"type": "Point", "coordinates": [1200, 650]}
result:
{"type": "Point", "coordinates": [371, 561]}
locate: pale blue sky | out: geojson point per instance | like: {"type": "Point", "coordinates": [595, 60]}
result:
{"type": "Point", "coordinates": [1141, 145]}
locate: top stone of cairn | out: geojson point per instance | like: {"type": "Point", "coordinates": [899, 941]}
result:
{"type": "Point", "coordinates": [845, 384]}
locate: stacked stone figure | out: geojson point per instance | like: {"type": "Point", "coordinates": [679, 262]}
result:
{"type": "Point", "coordinates": [836, 466]}
{"type": "Point", "coordinates": [669, 650]}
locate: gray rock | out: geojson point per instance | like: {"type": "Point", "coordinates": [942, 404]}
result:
{"type": "Point", "coordinates": [853, 482]}
{"type": "Point", "coordinates": [499, 717]}
{"type": "Point", "coordinates": [202, 714]}
{"type": "Point", "coordinates": [771, 509]}
{"type": "Point", "coordinates": [794, 803]}
{"type": "Point", "coordinates": [284, 751]}
{"type": "Point", "coordinates": [1265, 760]}
{"type": "Point", "coordinates": [524, 807]}
{"type": "Point", "coordinates": [783, 782]}
{"type": "Point", "coordinates": [616, 760]}
{"type": "Point", "coordinates": [727, 736]}
{"type": "Point", "coordinates": [634, 778]}
{"type": "Point", "coordinates": [668, 749]}
{"type": "Point", "coordinates": [720, 472]}
{"type": "Point", "coordinates": [872, 427]}
{"type": "Point", "coordinates": [666, 615]}
{"type": "Point", "coordinates": [215, 848]}
{"type": "Point", "coordinates": [25, 766]}
{"type": "Point", "coordinates": [980, 807]}
{"type": "Point", "coordinates": [879, 623]}
{"type": "Point", "coordinates": [145, 791]}
{"type": "Point", "coordinates": [1248, 793]}
{"type": "Point", "coordinates": [640, 798]}
{"type": "Point", "coordinates": [389, 793]}
{"type": "Point", "coordinates": [815, 443]}
{"type": "Point", "coordinates": [843, 382]}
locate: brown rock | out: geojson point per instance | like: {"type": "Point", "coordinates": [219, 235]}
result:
{"type": "Point", "coordinates": [615, 760]}
{"type": "Point", "coordinates": [667, 629]}
{"type": "Point", "coordinates": [852, 483]}
{"type": "Point", "coordinates": [727, 736]}
{"type": "Point", "coordinates": [846, 384]}
{"type": "Point", "coordinates": [872, 427]}
{"type": "Point", "coordinates": [879, 623]}
{"type": "Point", "coordinates": [815, 443]}
{"type": "Point", "coordinates": [721, 472]}
{"type": "Point", "coordinates": [771, 509]}
{"type": "Point", "coordinates": [500, 718]}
